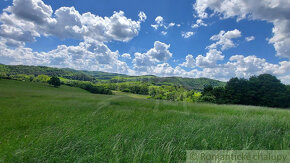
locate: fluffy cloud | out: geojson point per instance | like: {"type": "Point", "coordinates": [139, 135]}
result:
{"type": "Point", "coordinates": [274, 11]}
{"type": "Point", "coordinates": [250, 38]}
{"type": "Point", "coordinates": [208, 66]}
{"type": "Point", "coordinates": [210, 59]}
{"type": "Point", "coordinates": [186, 34]}
{"type": "Point", "coordinates": [27, 19]}
{"type": "Point", "coordinates": [143, 63]}
{"type": "Point", "coordinates": [165, 69]}
{"type": "Point", "coordinates": [88, 55]}
{"type": "Point", "coordinates": [189, 61]}
{"type": "Point", "coordinates": [224, 39]}
{"type": "Point", "coordinates": [146, 61]}
{"type": "Point", "coordinates": [117, 27]}
{"type": "Point", "coordinates": [16, 29]}
{"type": "Point", "coordinates": [160, 52]}
{"type": "Point", "coordinates": [238, 66]}
{"type": "Point", "coordinates": [31, 10]}
{"type": "Point", "coordinates": [251, 65]}
{"type": "Point", "coordinates": [66, 24]}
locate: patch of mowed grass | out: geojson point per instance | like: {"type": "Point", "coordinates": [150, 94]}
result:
{"type": "Point", "coordinates": [40, 123]}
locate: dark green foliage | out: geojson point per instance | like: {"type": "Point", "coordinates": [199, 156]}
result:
{"type": "Point", "coordinates": [55, 81]}
{"type": "Point", "coordinates": [237, 91]}
{"type": "Point", "coordinates": [89, 87]}
{"type": "Point", "coordinates": [137, 88]}
{"type": "Point", "coordinates": [220, 93]}
{"type": "Point", "coordinates": [207, 91]}
{"type": "Point", "coordinates": [267, 90]}
{"type": "Point", "coordinates": [131, 87]}
{"type": "Point", "coordinates": [262, 90]}
{"type": "Point", "coordinates": [80, 76]}
{"type": "Point", "coordinates": [207, 98]}
{"type": "Point", "coordinates": [207, 95]}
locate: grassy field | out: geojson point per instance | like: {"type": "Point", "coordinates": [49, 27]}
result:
{"type": "Point", "coordinates": [42, 123]}
{"type": "Point", "coordinates": [130, 95]}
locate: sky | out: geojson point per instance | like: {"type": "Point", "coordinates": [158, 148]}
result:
{"type": "Point", "coordinates": [217, 39]}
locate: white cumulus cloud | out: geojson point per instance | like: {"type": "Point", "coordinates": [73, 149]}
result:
{"type": "Point", "coordinates": [27, 19]}
{"type": "Point", "coordinates": [146, 61]}
{"type": "Point", "coordinates": [224, 39]}
{"type": "Point", "coordinates": [274, 11]}
{"type": "Point", "coordinates": [189, 61]}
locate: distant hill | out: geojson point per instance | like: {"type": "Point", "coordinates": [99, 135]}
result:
{"type": "Point", "coordinates": [98, 76]}
{"type": "Point", "coordinates": [61, 72]}
{"type": "Point", "coordinates": [189, 83]}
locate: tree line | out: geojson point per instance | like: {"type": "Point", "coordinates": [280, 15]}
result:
{"type": "Point", "coordinates": [262, 90]}
{"type": "Point", "coordinates": [56, 82]}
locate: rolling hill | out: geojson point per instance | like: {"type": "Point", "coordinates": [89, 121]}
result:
{"type": "Point", "coordinates": [97, 76]}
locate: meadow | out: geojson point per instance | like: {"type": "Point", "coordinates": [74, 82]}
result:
{"type": "Point", "coordinates": [40, 123]}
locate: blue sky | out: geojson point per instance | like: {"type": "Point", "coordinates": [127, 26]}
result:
{"type": "Point", "coordinates": [239, 57]}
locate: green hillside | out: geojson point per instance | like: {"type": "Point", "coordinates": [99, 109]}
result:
{"type": "Point", "coordinates": [104, 77]}
{"type": "Point", "coordinates": [189, 83]}
{"type": "Point", "coordinates": [64, 72]}
{"type": "Point", "coordinates": [40, 123]}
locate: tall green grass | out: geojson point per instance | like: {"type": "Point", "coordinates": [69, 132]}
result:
{"type": "Point", "coordinates": [42, 123]}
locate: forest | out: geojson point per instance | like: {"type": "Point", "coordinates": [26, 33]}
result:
{"type": "Point", "coordinates": [262, 90]}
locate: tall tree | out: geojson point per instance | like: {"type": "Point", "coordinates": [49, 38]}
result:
{"type": "Point", "coordinates": [55, 81]}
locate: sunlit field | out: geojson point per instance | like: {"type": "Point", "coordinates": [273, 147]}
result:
{"type": "Point", "coordinates": [43, 123]}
